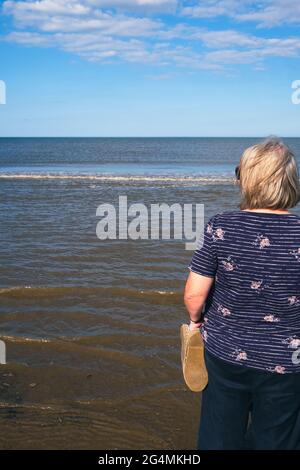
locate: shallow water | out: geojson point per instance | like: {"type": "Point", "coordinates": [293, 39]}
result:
{"type": "Point", "coordinates": [92, 327]}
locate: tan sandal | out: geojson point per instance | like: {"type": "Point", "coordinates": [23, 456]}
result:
{"type": "Point", "coordinates": [192, 359]}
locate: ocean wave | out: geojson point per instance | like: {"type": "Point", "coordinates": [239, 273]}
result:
{"type": "Point", "coordinates": [24, 339]}
{"type": "Point", "coordinates": [44, 291]}
{"type": "Point", "coordinates": [120, 178]}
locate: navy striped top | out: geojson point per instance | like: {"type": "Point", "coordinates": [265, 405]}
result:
{"type": "Point", "coordinates": [252, 314]}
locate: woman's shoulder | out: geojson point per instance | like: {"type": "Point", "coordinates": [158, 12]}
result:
{"type": "Point", "coordinates": [224, 216]}
{"type": "Point", "coordinates": [253, 218]}
{"type": "Point", "coordinates": [222, 220]}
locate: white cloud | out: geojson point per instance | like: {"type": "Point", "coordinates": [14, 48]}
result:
{"type": "Point", "coordinates": [96, 33]}
{"type": "Point", "coordinates": [23, 9]}
{"type": "Point", "coordinates": [61, 17]}
{"type": "Point", "coordinates": [224, 38]}
{"type": "Point", "coordinates": [120, 25]}
{"type": "Point", "coordinates": [266, 13]}
{"type": "Point", "coordinates": [127, 3]}
{"type": "Point", "coordinates": [215, 8]}
{"type": "Point", "coordinates": [154, 5]}
{"type": "Point", "coordinates": [274, 13]}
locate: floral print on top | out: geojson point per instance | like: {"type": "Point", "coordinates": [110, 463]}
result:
{"type": "Point", "coordinates": [253, 317]}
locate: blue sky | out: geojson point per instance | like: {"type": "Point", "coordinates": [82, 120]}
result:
{"type": "Point", "coordinates": [149, 67]}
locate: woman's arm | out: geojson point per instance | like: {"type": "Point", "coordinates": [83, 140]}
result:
{"type": "Point", "coordinates": [196, 291]}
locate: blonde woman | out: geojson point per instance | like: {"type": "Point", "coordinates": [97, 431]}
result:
{"type": "Point", "coordinates": [248, 273]}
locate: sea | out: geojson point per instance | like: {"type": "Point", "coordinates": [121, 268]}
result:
{"type": "Point", "coordinates": [91, 326]}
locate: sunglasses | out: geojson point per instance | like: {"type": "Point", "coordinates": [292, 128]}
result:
{"type": "Point", "coordinates": [237, 172]}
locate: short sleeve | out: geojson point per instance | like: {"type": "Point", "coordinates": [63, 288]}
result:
{"type": "Point", "coordinates": [204, 260]}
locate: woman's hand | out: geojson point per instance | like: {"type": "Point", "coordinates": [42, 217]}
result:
{"type": "Point", "coordinates": [194, 326]}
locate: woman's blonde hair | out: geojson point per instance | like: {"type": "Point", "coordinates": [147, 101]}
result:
{"type": "Point", "coordinates": [268, 176]}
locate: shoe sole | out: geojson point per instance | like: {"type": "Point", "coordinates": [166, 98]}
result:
{"type": "Point", "coordinates": [192, 359]}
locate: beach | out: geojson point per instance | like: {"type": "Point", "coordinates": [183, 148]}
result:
{"type": "Point", "coordinates": [91, 326]}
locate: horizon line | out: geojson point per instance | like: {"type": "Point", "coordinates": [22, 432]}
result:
{"type": "Point", "coordinates": [146, 137]}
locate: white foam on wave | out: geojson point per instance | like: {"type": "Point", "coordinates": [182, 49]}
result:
{"type": "Point", "coordinates": [138, 178]}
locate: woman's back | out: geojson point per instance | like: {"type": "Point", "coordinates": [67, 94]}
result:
{"type": "Point", "coordinates": [254, 312]}
{"type": "Point", "coordinates": [248, 273]}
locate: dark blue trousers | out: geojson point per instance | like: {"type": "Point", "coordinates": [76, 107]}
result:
{"type": "Point", "coordinates": [234, 393]}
